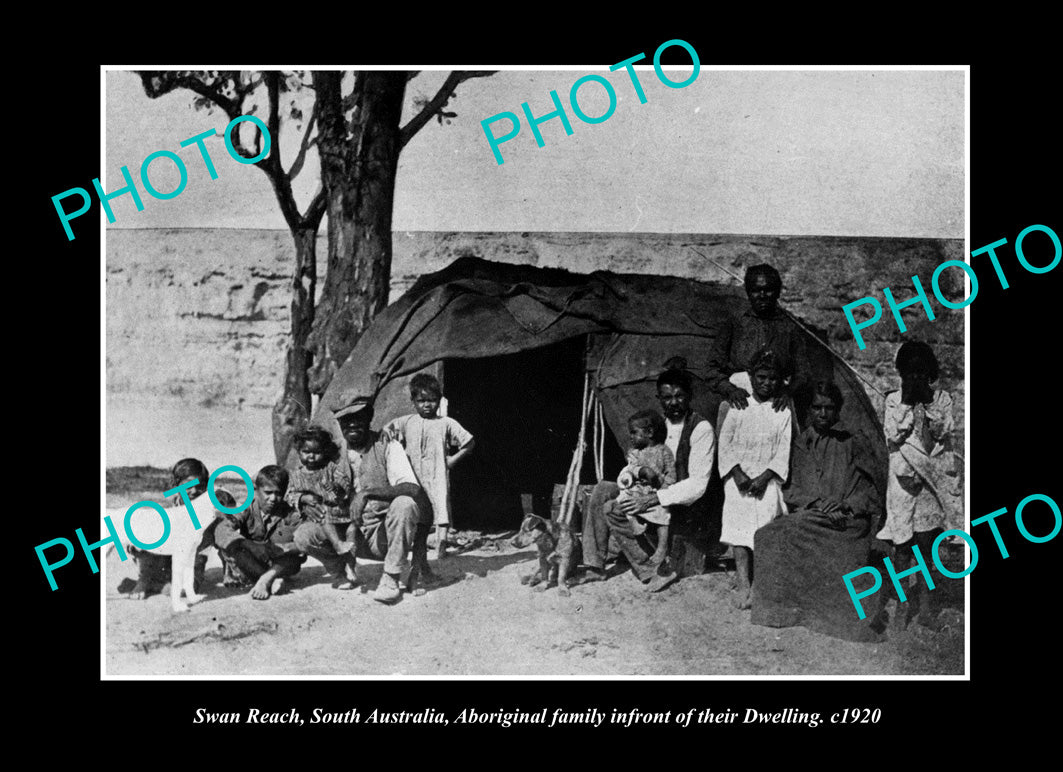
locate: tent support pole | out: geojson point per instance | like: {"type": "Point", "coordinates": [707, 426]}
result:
{"type": "Point", "coordinates": [568, 497]}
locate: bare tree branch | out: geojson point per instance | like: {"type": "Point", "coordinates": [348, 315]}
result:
{"type": "Point", "coordinates": [316, 210]}
{"type": "Point", "coordinates": [168, 81]}
{"type": "Point", "coordinates": [437, 102]}
{"type": "Point", "coordinates": [273, 119]}
{"type": "Point", "coordinates": [304, 145]}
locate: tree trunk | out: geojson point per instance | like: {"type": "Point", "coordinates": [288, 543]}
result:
{"type": "Point", "coordinates": [291, 413]}
{"type": "Point", "coordinates": [358, 167]}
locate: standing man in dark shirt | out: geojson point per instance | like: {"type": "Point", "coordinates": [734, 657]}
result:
{"type": "Point", "coordinates": [740, 337]}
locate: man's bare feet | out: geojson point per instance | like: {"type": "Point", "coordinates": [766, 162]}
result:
{"type": "Point", "coordinates": [279, 586]}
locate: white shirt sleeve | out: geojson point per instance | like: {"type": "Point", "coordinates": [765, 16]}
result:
{"type": "Point", "coordinates": [399, 469]}
{"type": "Point", "coordinates": [729, 456]}
{"type": "Point", "coordinates": [699, 467]}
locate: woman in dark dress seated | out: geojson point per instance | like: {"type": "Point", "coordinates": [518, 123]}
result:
{"type": "Point", "coordinates": [833, 510]}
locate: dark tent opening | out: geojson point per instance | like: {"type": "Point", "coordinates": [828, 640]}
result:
{"type": "Point", "coordinates": [524, 410]}
{"type": "Point", "coordinates": [512, 345]}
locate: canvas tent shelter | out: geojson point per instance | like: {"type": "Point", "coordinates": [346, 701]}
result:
{"type": "Point", "coordinates": [513, 344]}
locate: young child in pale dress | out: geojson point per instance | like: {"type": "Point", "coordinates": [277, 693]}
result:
{"type": "Point", "coordinates": [434, 444]}
{"type": "Point", "coordinates": [754, 459]}
{"type": "Point", "coordinates": [921, 489]}
{"type": "Point", "coordinates": [650, 467]}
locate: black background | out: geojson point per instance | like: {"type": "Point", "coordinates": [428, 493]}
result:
{"type": "Point", "coordinates": [1014, 425]}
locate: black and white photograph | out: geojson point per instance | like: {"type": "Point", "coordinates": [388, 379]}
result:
{"type": "Point", "coordinates": [506, 415]}
{"type": "Point", "coordinates": [474, 389]}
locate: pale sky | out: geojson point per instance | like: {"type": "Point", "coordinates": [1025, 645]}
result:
{"type": "Point", "coordinates": [813, 152]}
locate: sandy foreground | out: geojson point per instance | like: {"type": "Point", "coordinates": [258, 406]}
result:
{"type": "Point", "coordinates": [483, 621]}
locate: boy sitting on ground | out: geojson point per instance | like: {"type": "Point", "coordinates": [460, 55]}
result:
{"type": "Point", "coordinates": [260, 540]}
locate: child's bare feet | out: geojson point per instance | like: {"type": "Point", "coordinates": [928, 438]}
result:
{"type": "Point", "coordinates": [279, 586]}
{"type": "Point", "coordinates": [442, 543]}
{"type": "Point", "coordinates": [742, 600]}
{"type": "Point", "coordinates": [349, 579]}
{"type": "Point", "coordinates": [262, 588]}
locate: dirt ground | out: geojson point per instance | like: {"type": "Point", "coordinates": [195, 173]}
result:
{"type": "Point", "coordinates": [483, 621]}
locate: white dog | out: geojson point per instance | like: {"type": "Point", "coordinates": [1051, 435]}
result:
{"type": "Point", "coordinates": [182, 544]}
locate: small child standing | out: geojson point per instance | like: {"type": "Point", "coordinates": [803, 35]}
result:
{"type": "Point", "coordinates": [921, 489]}
{"type": "Point", "coordinates": [650, 467]}
{"type": "Point", "coordinates": [320, 489]}
{"type": "Point", "coordinates": [754, 458]}
{"type": "Point", "coordinates": [434, 444]}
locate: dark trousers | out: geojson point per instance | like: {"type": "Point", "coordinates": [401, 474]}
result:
{"type": "Point", "coordinates": [254, 558]}
{"type": "Point", "coordinates": [606, 534]}
{"type": "Point", "coordinates": [389, 539]}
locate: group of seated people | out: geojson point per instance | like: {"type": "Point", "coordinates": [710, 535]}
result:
{"type": "Point", "coordinates": [377, 502]}
{"type": "Point", "coordinates": [803, 503]}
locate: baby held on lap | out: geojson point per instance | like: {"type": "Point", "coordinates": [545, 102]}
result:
{"type": "Point", "coordinates": [650, 467]}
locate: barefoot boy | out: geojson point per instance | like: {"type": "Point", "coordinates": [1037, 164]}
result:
{"type": "Point", "coordinates": [261, 539]}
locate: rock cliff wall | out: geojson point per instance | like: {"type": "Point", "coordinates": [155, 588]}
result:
{"type": "Point", "coordinates": [200, 316]}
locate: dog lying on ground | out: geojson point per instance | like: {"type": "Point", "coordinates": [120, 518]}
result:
{"type": "Point", "coordinates": [559, 552]}
{"type": "Point", "coordinates": [182, 544]}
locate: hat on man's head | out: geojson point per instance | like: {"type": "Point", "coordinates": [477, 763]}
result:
{"type": "Point", "coordinates": [353, 407]}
